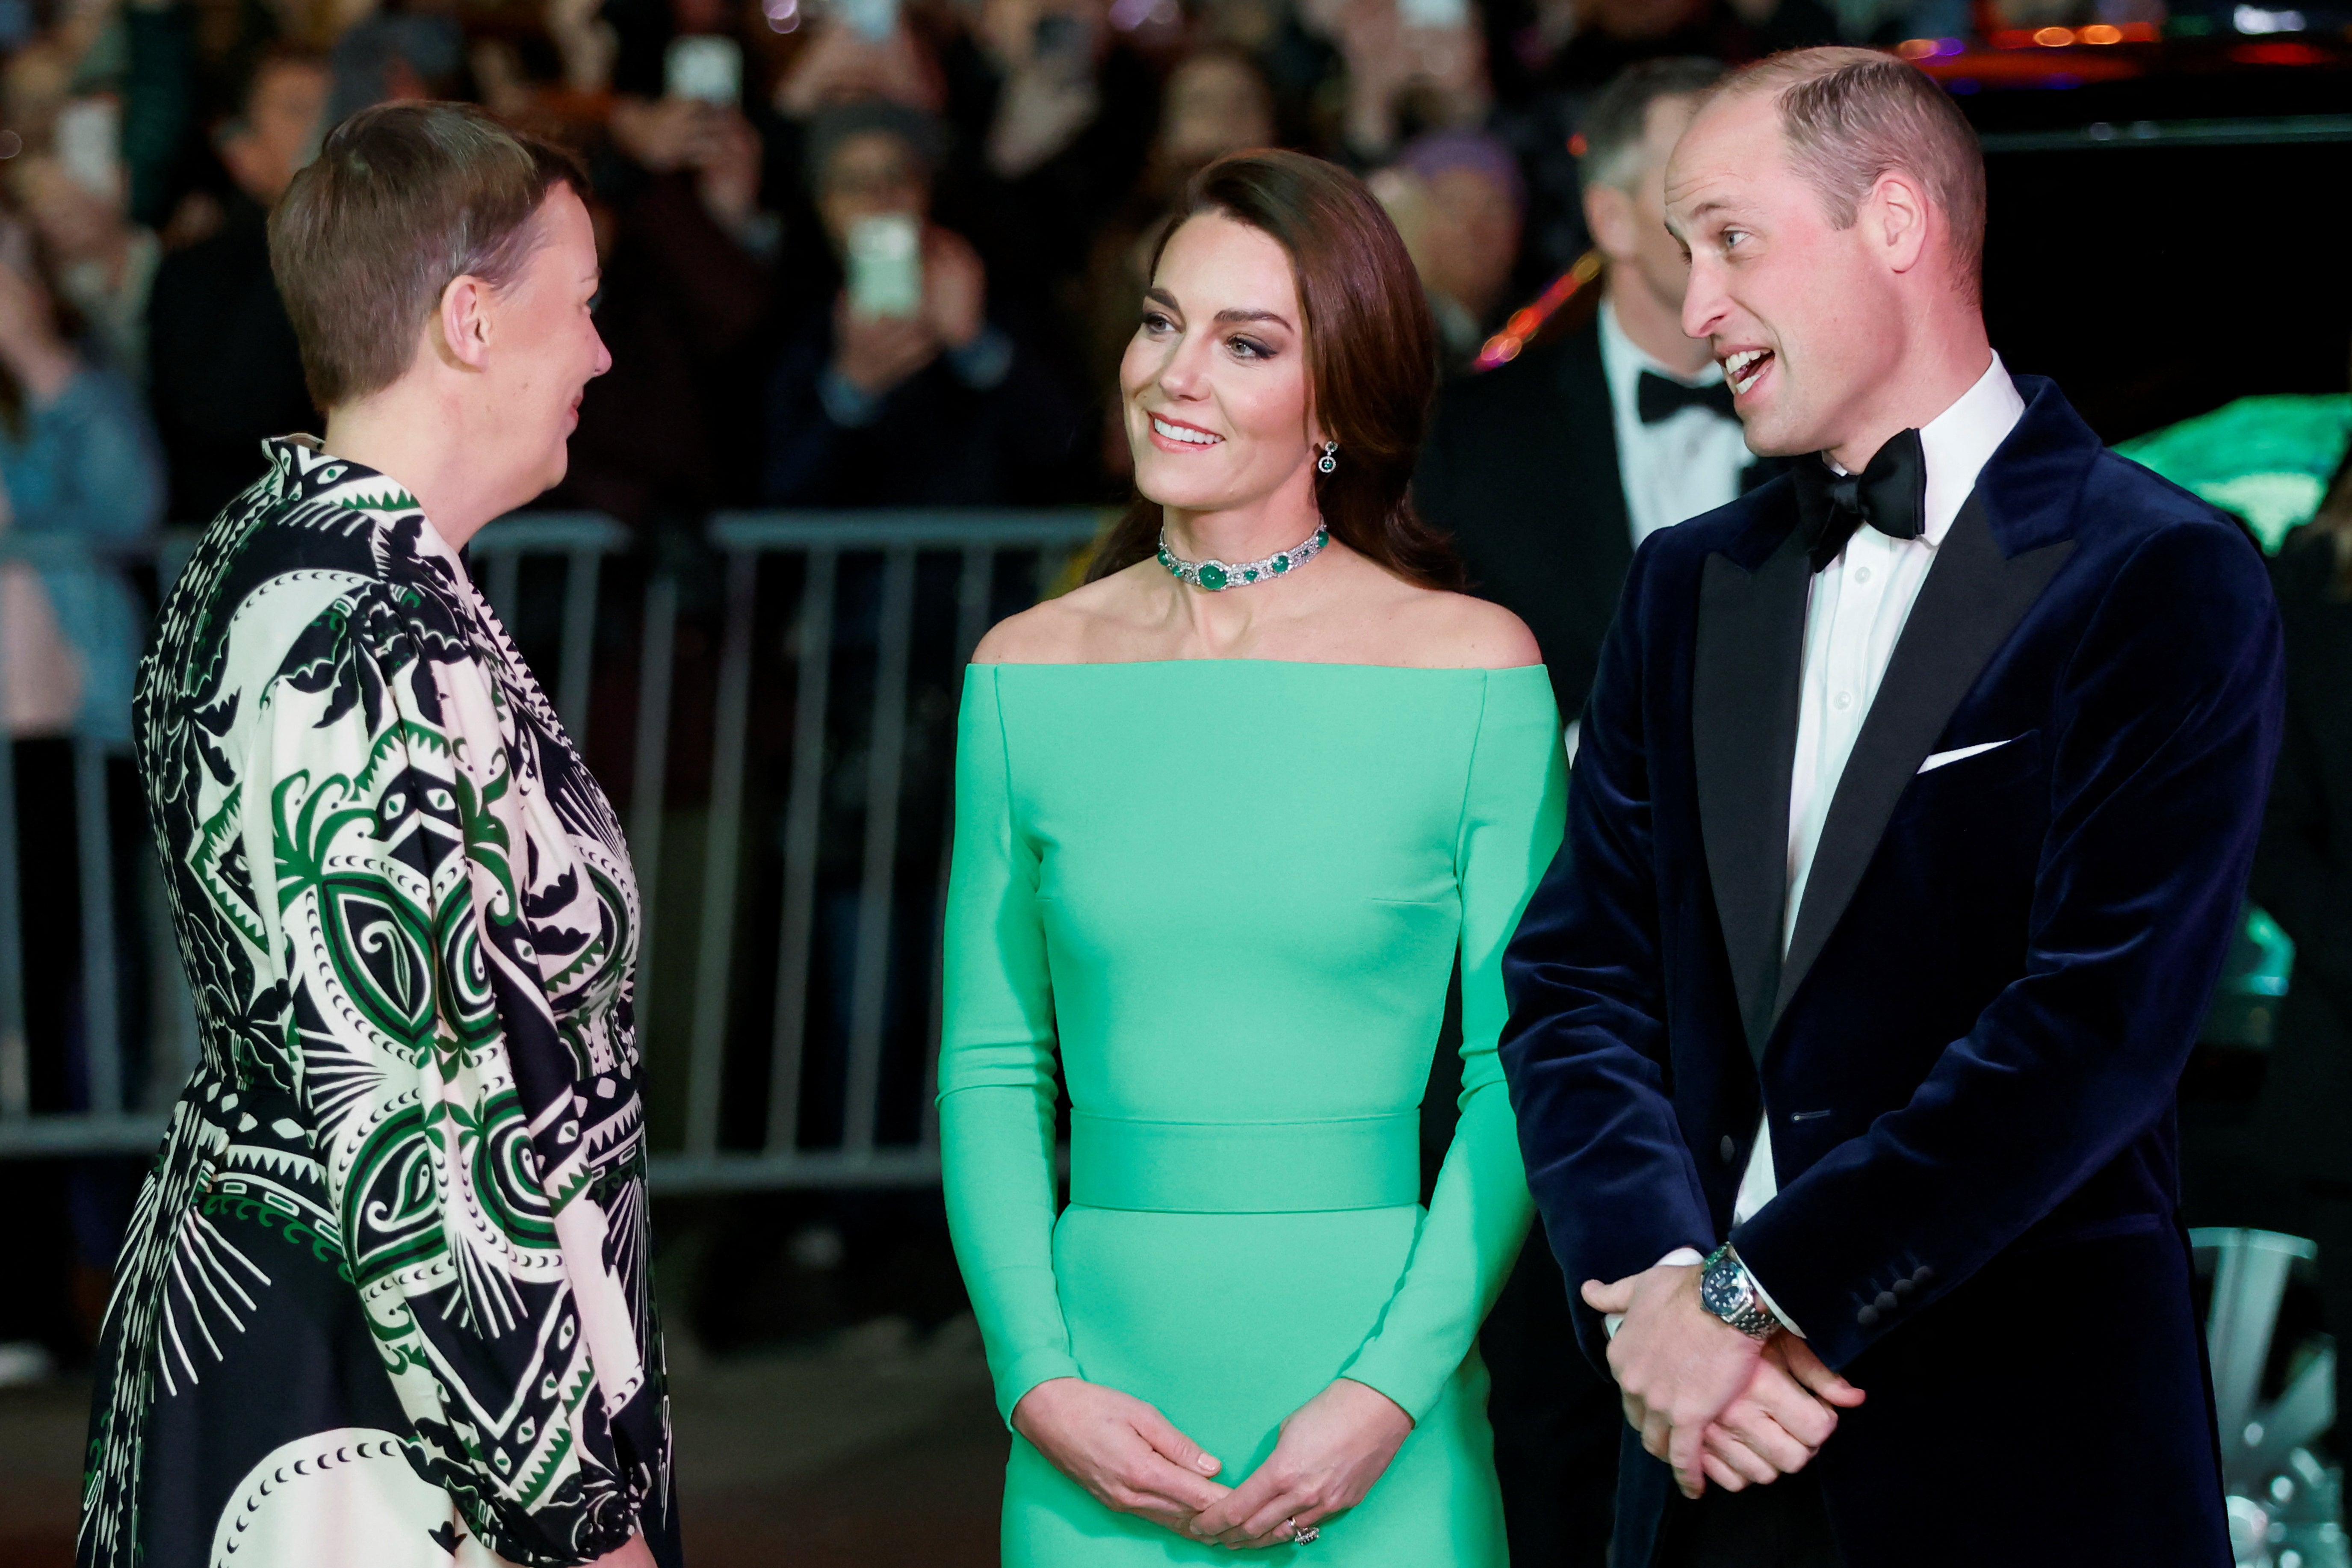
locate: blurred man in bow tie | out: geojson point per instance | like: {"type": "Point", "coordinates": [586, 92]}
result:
{"type": "Point", "coordinates": [1915, 802]}
{"type": "Point", "coordinates": [1549, 469]}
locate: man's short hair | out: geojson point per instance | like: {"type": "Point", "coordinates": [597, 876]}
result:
{"type": "Point", "coordinates": [1618, 119]}
{"type": "Point", "coordinates": [402, 201]}
{"type": "Point", "coordinates": [1851, 116]}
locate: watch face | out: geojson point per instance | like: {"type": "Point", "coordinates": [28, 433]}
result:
{"type": "Point", "coordinates": [1723, 1291]}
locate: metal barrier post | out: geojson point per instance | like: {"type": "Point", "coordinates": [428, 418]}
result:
{"type": "Point", "coordinates": [886, 752]}
{"type": "Point", "coordinates": [804, 803]}
{"type": "Point", "coordinates": [722, 861]}
{"type": "Point", "coordinates": [572, 685]}
{"type": "Point", "coordinates": [16, 1063]}
{"type": "Point", "coordinates": [93, 849]}
{"type": "Point", "coordinates": [973, 586]}
{"type": "Point", "coordinates": [647, 779]}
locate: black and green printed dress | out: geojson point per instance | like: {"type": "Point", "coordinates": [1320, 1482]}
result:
{"type": "Point", "coordinates": [384, 1300]}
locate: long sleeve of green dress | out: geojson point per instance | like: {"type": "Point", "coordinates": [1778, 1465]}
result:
{"type": "Point", "coordinates": [1512, 814]}
{"type": "Point", "coordinates": [997, 1086]}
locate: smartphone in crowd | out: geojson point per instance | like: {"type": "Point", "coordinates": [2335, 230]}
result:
{"type": "Point", "coordinates": [1433, 12]}
{"type": "Point", "coordinates": [89, 142]}
{"type": "Point", "coordinates": [873, 20]}
{"type": "Point", "coordinates": [885, 264]}
{"type": "Point", "coordinates": [706, 67]}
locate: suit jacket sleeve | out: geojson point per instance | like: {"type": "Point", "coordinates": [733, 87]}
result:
{"type": "Point", "coordinates": [2163, 727]}
{"type": "Point", "coordinates": [1585, 1046]}
{"type": "Point", "coordinates": [997, 1086]}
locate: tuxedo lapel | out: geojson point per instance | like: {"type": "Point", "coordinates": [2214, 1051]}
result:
{"type": "Point", "coordinates": [1744, 694]}
{"type": "Point", "coordinates": [1973, 598]}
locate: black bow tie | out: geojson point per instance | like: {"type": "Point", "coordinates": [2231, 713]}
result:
{"type": "Point", "coordinates": [1891, 496]}
{"type": "Point", "coordinates": [1657, 397]}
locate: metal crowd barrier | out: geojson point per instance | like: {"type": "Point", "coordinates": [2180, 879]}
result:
{"type": "Point", "coordinates": [788, 967]}
{"type": "Point", "coordinates": [823, 543]}
{"type": "Point", "coordinates": [793, 599]}
{"type": "Point", "coordinates": [109, 1119]}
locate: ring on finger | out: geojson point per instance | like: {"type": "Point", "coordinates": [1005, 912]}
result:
{"type": "Point", "coordinates": [1304, 1534]}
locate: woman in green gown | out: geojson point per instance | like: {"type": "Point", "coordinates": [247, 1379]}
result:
{"type": "Point", "coordinates": [1225, 817]}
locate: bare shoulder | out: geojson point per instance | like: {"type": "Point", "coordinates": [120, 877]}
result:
{"type": "Point", "coordinates": [1068, 629]}
{"type": "Point", "coordinates": [1439, 630]}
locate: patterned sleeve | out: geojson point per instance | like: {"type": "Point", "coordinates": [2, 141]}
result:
{"type": "Point", "coordinates": [434, 1072]}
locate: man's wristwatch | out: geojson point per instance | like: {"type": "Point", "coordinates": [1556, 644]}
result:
{"type": "Point", "coordinates": [1731, 1293]}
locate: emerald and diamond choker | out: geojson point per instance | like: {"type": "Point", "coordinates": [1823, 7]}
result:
{"type": "Point", "coordinates": [1216, 576]}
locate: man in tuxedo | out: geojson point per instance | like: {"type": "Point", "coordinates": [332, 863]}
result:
{"type": "Point", "coordinates": [1916, 798]}
{"type": "Point", "coordinates": [1549, 469]}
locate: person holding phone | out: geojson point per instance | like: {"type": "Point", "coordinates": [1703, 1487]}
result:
{"type": "Point", "coordinates": [691, 284]}
{"type": "Point", "coordinates": [903, 389]}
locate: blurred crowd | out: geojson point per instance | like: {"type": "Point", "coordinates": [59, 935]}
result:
{"type": "Point", "coordinates": [857, 252]}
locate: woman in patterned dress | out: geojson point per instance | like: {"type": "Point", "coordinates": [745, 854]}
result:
{"type": "Point", "coordinates": [385, 1301]}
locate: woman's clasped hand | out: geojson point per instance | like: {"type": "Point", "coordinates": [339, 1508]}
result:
{"type": "Point", "coordinates": [1122, 1450]}
{"type": "Point", "coordinates": [1132, 1459]}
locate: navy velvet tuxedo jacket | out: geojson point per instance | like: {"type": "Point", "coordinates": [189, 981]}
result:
{"type": "Point", "coordinates": [1969, 1053]}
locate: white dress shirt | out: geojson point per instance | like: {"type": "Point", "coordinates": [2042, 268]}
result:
{"type": "Point", "coordinates": [1679, 466]}
{"type": "Point", "coordinates": [1853, 614]}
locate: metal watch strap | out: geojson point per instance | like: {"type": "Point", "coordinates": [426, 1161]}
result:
{"type": "Point", "coordinates": [1726, 1289]}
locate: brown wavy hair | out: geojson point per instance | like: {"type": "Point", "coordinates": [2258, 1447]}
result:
{"type": "Point", "coordinates": [1371, 356]}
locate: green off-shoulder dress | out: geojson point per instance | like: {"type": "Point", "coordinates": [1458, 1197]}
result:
{"type": "Point", "coordinates": [1228, 894]}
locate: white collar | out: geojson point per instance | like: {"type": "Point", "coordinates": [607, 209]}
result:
{"type": "Point", "coordinates": [1959, 442]}
{"type": "Point", "coordinates": [1624, 360]}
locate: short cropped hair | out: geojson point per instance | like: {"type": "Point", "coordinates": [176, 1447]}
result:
{"type": "Point", "coordinates": [1617, 119]}
{"type": "Point", "coordinates": [1851, 116]}
{"type": "Point", "coordinates": [402, 201]}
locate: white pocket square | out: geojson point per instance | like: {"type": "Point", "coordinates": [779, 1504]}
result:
{"type": "Point", "coordinates": [1961, 754]}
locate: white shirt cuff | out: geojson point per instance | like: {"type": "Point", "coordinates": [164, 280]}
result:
{"type": "Point", "coordinates": [1680, 1257]}
{"type": "Point", "coordinates": [1689, 1257]}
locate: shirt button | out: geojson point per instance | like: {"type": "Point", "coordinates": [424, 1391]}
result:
{"type": "Point", "coordinates": [1862, 573]}
{"type": "Point", "coordinates": [1842, 701]}
{"type": "Point", "coordinates": [1727, 1149]}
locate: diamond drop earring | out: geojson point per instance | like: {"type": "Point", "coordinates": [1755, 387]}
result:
{"type": "Point", "coordinates": [1330, 459]}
